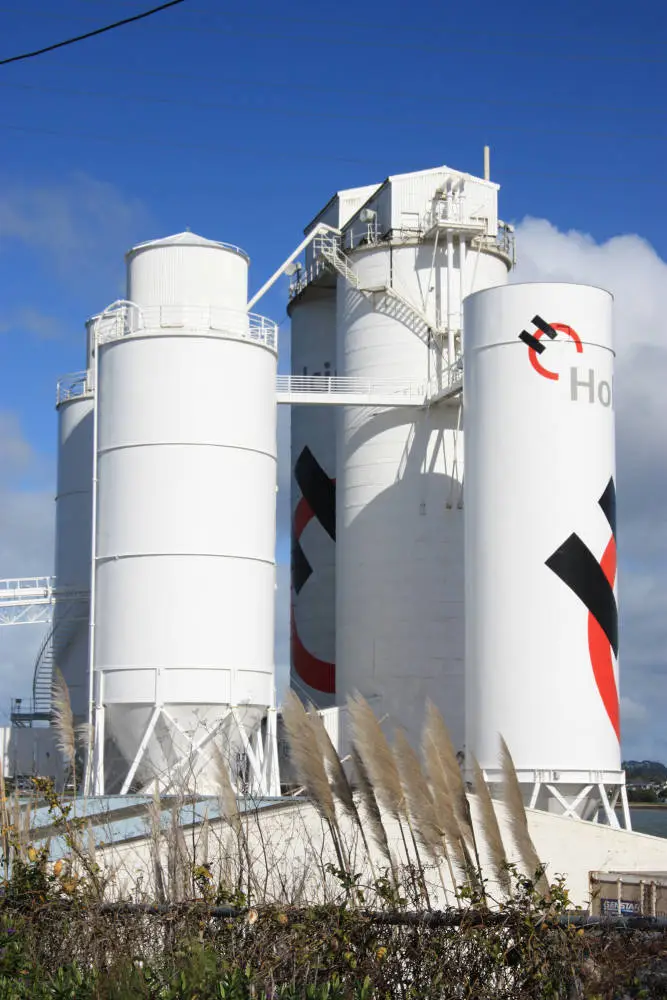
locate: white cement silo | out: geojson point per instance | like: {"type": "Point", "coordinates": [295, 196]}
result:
{"type": "Point", "coordinates": [313, 441]}
{"type": "Point", "coordinates": [399, 549]}
{"type": "Point", "coordinates": [73, 537]}
{"type": "Point", "coordinates": [540, 556]}
{"type": "Point", "coordinates": [185, 535]}
{"type": "Point", "coordinates": [312, 312]}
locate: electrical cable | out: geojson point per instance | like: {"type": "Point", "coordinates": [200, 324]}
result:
{"type": "Point", "coordinates": [491, 34]}
{"type": "Point", "coordinates": [90, 34]}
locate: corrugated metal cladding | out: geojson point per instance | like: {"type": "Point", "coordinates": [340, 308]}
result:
{"type": "Point", "coordinates": [412, 197]}
{"type": "Point", "coordinates": [187, 274]}
{"type": "Point", "coordinates": [341, 207]}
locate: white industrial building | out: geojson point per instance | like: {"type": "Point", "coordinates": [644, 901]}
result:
{"type": "Point", "coordinates": [408, 582]}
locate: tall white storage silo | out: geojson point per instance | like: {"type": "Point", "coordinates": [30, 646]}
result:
{"type": "Point", "coordinates": [73, 542]}
{"type": "Point", "coordinates": [185, 534]}
{"type": "Point", "coordinates": [540, 555]}
{"type": "Point", "coordinates": [312, 312]}
{"type": "Point", "coordinates": [417, 247]}
{"type": "Point", "coordinates": [313, 558]}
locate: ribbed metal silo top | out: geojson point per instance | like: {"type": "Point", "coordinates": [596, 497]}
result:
{"type": "Point", "coordinates": [187, 270]}
{"type": "Point", "coordinates": [184, 239]}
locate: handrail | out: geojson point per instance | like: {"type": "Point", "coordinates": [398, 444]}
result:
{"type": "Point", "coordinates": [124, 319]}
{"type": "Point", "coordinates": [350, 384]}
{"type": "Point", "coordinates": [75, 385]}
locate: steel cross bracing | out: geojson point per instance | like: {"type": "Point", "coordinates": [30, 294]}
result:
{"type": "Point", "coordinates": [26, 600]}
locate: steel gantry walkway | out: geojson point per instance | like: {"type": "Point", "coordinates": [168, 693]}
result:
{"type": "Point", "coordinates": [27, 600]}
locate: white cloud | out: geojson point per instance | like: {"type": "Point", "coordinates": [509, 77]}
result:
{"type": "Point", "coordinates": [81, 226]}
{"type": "Point", "coordinates": [637, 277]}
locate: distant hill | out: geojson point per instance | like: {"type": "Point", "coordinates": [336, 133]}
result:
{"type": "Point", "coordinates": [645, 771]}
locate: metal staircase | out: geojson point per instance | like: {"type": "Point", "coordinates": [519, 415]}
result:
{"type": "Point", "coordinates": [328, 248]}
{"type": "Point", "coordinates": [57, 642]}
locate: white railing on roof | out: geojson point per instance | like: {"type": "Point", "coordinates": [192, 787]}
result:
{"type": "Point", "coordinates": [303, 276]}
{"type": "Point", "coordinates": [123, 319]}
{"type": "Point", "coordinates": [73, 386]}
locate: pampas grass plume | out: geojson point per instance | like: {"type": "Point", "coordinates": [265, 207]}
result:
{"type": "Point", "coordinates": [519, 820]}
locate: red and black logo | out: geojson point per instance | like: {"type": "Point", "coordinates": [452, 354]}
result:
{"type": "Point", "coordinates": [318, 500]}
{"type": "Point", "coordinates": [593, 583]}
{"type": "Point", "coordinates": [537, 346]}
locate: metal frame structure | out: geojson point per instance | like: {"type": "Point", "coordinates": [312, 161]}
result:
{"type": "Point", "coordinates": [595, 791]}
{"type": "Point", "coordinates": [27, 600]}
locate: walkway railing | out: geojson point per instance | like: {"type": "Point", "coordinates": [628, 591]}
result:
{"type": "Point", "coordinates": [75, 385]}
{"type": "Point", "coordinates": [123, 319]}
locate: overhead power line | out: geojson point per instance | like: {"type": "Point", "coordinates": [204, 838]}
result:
{"type": "Point", "coordinates": [90, 34]}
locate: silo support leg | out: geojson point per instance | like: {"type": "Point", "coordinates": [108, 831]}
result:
{"type": "Point", "coordinates": [95, 768]}
{"type": "Point", "coordinates": [142, 750]}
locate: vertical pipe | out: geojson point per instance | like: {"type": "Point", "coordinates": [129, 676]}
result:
{"type": "Point", "coordinates": [462, 267]}
{"type": "Point", "coordinates": [93, 549]}
{"type": "Point", "coordinates": [450, 295]}
{"type": "Point", "coordinates": [487, 163]}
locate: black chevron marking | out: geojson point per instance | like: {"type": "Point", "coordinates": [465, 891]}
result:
{"type": "Point", "coordinates": [574, 563]}
{"type": "Point", "coordinates": [318, 489]}
{"type": "Point", "coordinates": [608, 504]}
{"type": "Point", "coordinates": [542, 325]}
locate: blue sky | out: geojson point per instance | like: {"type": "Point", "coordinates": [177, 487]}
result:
{"type": "Point", "coordinates": [239, 122]}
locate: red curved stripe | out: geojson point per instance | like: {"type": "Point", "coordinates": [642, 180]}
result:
{"type": "Point", "coordinates": [302, 515]}
{"type": "Point", "coordinates": [318, 674]}
{"type": "Point", "coordinates": [600, 648]}
{"type": "Point", "coordinates": [532, 353]}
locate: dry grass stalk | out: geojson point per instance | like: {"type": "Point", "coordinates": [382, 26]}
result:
{"type": "Point", "coordinates": [377, 756]}
{"type": "Point", "coordinates": [519, 820]}
{"type": "Point", "coordinates": [155, 820]}
{"type": "Point", "coordinates": [63, 719]}
{"type": "Point", "coordinates": [435, 725]}
{"type": "Point", "coordinates": [422, 806]}
{"type": "Point", "coordinates": [307, 757]}
{"type": "Point", "coordinates": [367, 794]}
{"type": "Point", "coordinates": [229, 809]}
{"type": "Point", "coordinates": [491, 830]}
{"type": "Point", "coordinates": [442, 799]}
{"type": "Point", "coordinates": [309, 764]}
{"type": "Point", "coordinates": [419, 797]}
{"type": "Point", "coordinates": [339, 783]}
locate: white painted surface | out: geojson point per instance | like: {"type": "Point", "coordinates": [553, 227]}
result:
{"type": "Point", "coordinates": [187, 270]}
{"type": "Point", "coordinates": [73, 545]}
{"type": "Point", "coordinates": [290, 838]}
{"type": "Point", "coordinates": [313, 430]}
{"type": "Point", "coordinates": [539, 455]}
{"type": "Point", "coordinates": [399, 558]}
{"type": "Point", "coordinates": [185, 573]}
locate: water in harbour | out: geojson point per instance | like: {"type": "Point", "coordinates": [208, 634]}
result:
{"type": "Point", "coordinates": [653, 821]}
